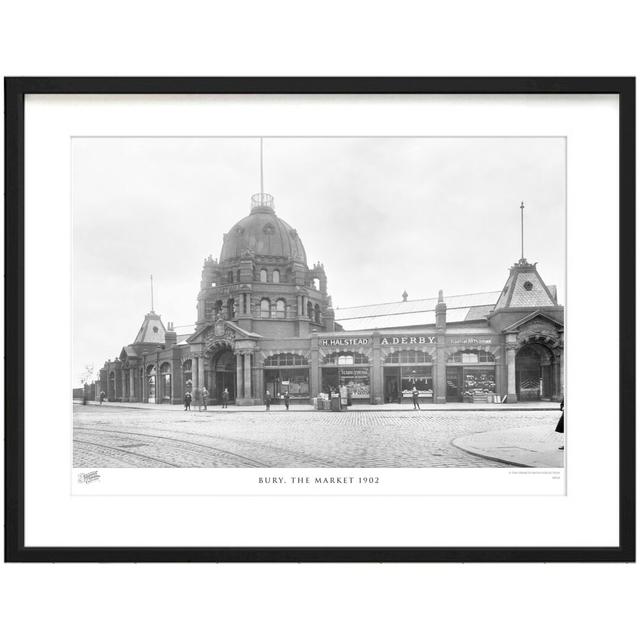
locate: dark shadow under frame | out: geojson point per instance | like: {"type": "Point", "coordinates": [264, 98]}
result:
{"type": "Point", "coordinates": [15, 91]}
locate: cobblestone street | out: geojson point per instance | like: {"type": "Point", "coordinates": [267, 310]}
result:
{"type": "Point", "coordinates": [123, 437]}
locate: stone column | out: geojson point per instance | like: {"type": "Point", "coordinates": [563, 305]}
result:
{"type": "Point", "coordinates": [511, 374]}
{"type": "Point", "coordinates": [247, 376]}
{"type": "Point", "coordinates": [132, 392]}
{"type": "Point", "coordinates": [201, 372]}
{"type": "Point", "coordinates": [238, 376]}
{"type": "Point", "coordinates": [439, 371]}
{"type": "Point", "coordinates": [376, 391]}
{"type": "Point", "coordinates": [314, 371]}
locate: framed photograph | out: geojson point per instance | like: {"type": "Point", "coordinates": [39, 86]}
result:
{"type": "Point", "coordinates": [320, 319]}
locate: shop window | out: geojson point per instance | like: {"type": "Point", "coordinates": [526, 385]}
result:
{"type": "Point", "coordinates": [263, 275]}
{"type": "Point", "coordinates": [187, 375]}
{"type": "Point", "coordinates": [275, 278]}
{"type": "Point", "coordinates": [471, 357]}
{"type": "Point", "coordinates": [407, 357]}
{"type": "Point", "coordinates": [281, 308]}
{"type": "Point", "coordinates": [346, 358]}
{"type": "Point", "coordinates": [286, 360]}
{"type": "Point", "coordinates": [265, 308]}
{"type": "Point", "coordinates": [295, 382]}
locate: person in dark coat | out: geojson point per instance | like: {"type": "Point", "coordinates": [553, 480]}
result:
{"type": "Point", "coordinates": [267, 400]}
{"type": "Point", "coordinates": [225, 398]}
{"type": "Point", "coordinates": [560, 426]}
{"type": "Point", "coordinates": [415, 394]}
{"type": "Point", "coordinates": [102, 396]}
{"type": "Point", "coordinates": [286, 400]}
{"type": "Point", "coordinates": [187, 401]}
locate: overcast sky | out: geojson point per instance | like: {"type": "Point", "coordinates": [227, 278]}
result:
{"type": "Point", "coordinates": [382, 214]}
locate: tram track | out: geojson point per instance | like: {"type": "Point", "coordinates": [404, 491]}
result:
{"type": "Point", "coordinates": [171, 442]}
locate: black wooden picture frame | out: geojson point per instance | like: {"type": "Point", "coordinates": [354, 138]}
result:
{"type": "Point", "coordinates": [15, 91]}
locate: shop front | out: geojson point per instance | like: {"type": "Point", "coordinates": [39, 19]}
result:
{"type": "Point", "coordinates": [471, 376]}
{"type": "Point", "coordinates": [349, 374]}
{"type": "Point", "coordinates": [287, 373]}
{"type": "Point", "coordinates": [404, 370]}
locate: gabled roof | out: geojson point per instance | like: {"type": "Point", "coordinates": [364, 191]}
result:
{"type": "Point", "coordinates": [412, 313]}
{"type": "Point", "coordinates": [534, 314]}
{"type": "Point", "coordinates": [195, 337]}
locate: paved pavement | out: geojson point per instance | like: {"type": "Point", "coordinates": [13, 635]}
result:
{"type": "Point", "coordinates": [532, 446]}
{"type": "Point", "coordinates": [406, 406]}
{"type": "Point", "coordinates": [167, 436]}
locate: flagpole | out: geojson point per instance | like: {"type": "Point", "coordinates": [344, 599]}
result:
{"type": "Point", "coordinates": [522, 229]}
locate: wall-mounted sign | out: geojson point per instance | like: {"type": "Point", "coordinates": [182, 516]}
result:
{"type": "Point", "coordinates": [408, 340]}
{"type": "Point", "coordinates": [469, 340]}
{"type": "Point", "coordinates": [343, 342]}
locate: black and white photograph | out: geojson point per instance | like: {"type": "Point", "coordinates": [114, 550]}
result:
{"type": "Point", "coordinates": [318, 302]}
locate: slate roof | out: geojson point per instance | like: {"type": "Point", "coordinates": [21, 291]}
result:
{"type": "Point", "coordinates": [412, 313]}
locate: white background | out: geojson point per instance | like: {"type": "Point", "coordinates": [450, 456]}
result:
{"type": "Point", "coordinates": [370, 38]}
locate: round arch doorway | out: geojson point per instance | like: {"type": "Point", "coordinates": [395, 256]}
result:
{"type": "Point", "coordinates": [223, 369]}
{"type": "Point", "coordinates": [535, 379]}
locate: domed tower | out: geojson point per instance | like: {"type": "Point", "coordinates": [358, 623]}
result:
{"type": "Point", "coordinates": [262, 281]}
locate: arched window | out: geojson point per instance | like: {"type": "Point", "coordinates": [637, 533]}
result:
{"type": "Point", "coordinates": [286, 360]}
{"type": "Point", "coordinates": [309, 310]}
{"type": "Point", "coordinates": [275, 277]}
{"type": "Point", "coordinates": [346, 358]}
{"type": "Point", "coordinates": [281, 308]}
{"type": "Point", "coordinates": [316, 314]}
{"type": "Point", "coordinates": [230, 276]}
{"type": "Point", "coordinates": [265, 308]}
{"type": "Point", "coordinates": [407, 357]}
{"type": "Point", "coordinates": [218, 308]}
{"type": "Point", "coordinates": [263, 275]}
{"type": "Point", "coordinates": [231, 309]}
{"type": "Point", "coordinates": [238, 275]}
{"type": "Point", "coordinates": [471, 357]}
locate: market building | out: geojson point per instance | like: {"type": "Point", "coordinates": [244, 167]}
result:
{"type": "Point", "coordinates": [265, 321]}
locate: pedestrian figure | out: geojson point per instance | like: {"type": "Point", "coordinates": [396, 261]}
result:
{"type": "Point", "coordinates": [102, 396]}
{"type": "Point", "coordinates": [187, 401]}
{"type": "Point", "coordinates": [267, 400]}
{"type": "Point", "coordinates": [415, 394]}
{"type": "Point", "coordinates": [205, 395]}
{"type": "Point", "coordinates": [198, 398]}
{"type": "Point", "coordinates": [560, 426]}
{"type": "Point", "coordinates": [286, 400]}
{"type": "Point", "coordinates": [225, 398]}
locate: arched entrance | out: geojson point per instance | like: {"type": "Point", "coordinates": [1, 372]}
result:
{"type": "Point", "coordinates": [223, 375]}
{"type": "Point", "coordinates": [535, 372]}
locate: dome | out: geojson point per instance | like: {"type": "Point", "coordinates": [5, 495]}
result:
{"type": "Point", "coordinates": [264, 234]}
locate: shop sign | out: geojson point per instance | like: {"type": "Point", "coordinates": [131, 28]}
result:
{"type": "Point", "coordinates": [343, 342]}
{"type": "Point", "coordinates": [354, 373]}
{"type": "Point", "coordinates": [408, 340]}
{"type": "Point", "coordinates": [469, 340]}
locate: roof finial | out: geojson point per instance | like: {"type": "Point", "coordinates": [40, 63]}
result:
{"type": "Point", "coordinates": [152, 311]}
{"type": "Point", "coordinates": [405, 295]}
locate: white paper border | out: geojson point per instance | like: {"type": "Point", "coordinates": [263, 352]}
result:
{"type": "Point", "coordinates": [587, 516]}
